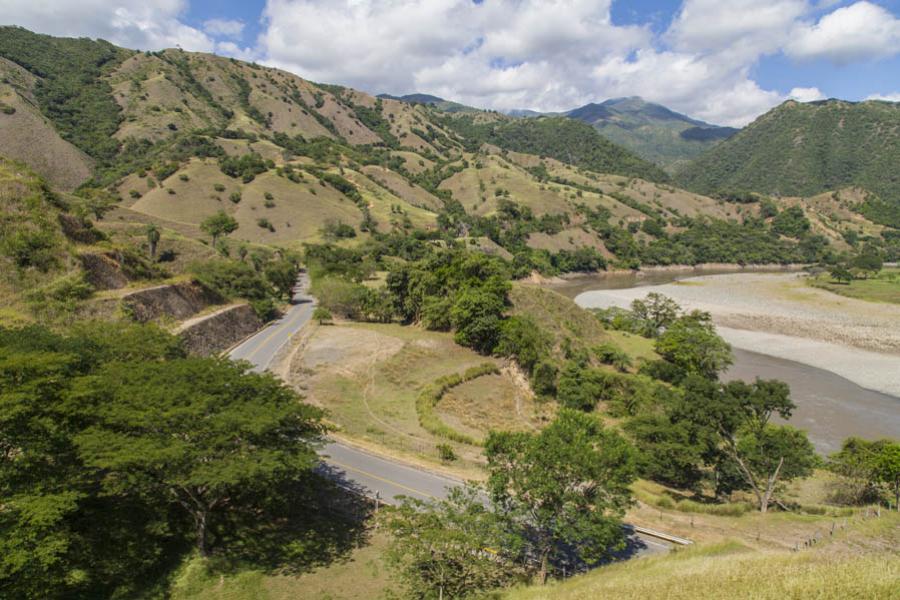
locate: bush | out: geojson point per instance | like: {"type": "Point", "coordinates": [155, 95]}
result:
{"type": "Point", "coordinates": [235, 197]}
{"type": "Point", "coordinates": [340, 297]}
{"type": "Point", "coordinates": [218, 187]}
{"type": "Point", "coordinates": [322, 315]}
{"type": "Point", "coordinates": [232, 279]}
{"type": "Point", "coordinates": [543, 378]}
{"type": "Point", "coordinates": [247, 167]}
{"type": "Point", "coordinates": [446, 453]}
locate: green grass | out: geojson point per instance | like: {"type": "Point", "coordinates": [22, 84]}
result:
{"type": "Point", "coordinates": [885, 287]}
{"type": "Point", "coordinates": [731, 570]}
{"type": "Point", "coordinates": [360, 576]}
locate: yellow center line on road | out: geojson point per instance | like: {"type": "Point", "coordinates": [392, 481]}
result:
{"type": "Point", "coordinates": [275, 331]}
{"type": "Point", "coordinates": [381, 479]}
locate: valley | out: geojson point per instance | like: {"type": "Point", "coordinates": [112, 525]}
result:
{"type": "Point", "coordinates": [244, 313]}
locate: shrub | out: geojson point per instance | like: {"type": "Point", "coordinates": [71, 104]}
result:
{"type": "Point", "coordinates": [322, 315]}
{"type": "Point", "coordinates": [134, 193]}
{"type": "Point", "coordinates": [184, 177]}
{"type": "Point", "coordinates": [265, 224]}
{"type": "Point", "coordinates": [218, 187]}
{"type": "Point", "coordinates": [235, 197]}
{"type": "Point", "coordinates": [446, 453]}
{"type": "Point", "coordinates": [231, 279]}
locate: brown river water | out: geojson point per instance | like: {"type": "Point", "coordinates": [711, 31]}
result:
{"type": "Point", "coordinates": [829, 407]}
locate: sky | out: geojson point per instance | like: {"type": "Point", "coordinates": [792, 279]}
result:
{"type": "Point", "coordinates": [723, 61]}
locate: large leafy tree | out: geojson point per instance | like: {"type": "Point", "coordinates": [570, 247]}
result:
{"type": "Point", "coordinates": [691, 344]}
{"type": "Point", "coordinates": [218, 225]}
{"type": "Point", "coordinates": [452, 548]}
{"type": "Point", "coordinates": [737, 418]}
{"type": "Point", "coordinates": [655, 312]}
{"type": "Point", "coordinates": [58, 536]}
{"type": "Point", "coordinates": [115, 449]}
{"type": "Point", "coordinates": [196, 430]}
{"type": "Point", "coordinates": [567, 486]}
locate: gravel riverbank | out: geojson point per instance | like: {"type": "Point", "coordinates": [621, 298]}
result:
{"type": "Point", "coordinates": [780, 315]}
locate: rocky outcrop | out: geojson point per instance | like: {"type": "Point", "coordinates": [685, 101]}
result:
{"type": "Point", "coordinates": [215, 332]}
{"type": "Point", "coordinates": [178, 301]}
{"type": "Point", "coordinates": [102, 272]}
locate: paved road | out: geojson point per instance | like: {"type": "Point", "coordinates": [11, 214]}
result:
{"type": "Point", "coordinates": [260, 349]}
{"type": "Point", "coordinates": [357, 469]}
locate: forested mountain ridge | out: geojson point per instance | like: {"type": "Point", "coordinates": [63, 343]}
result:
{"type": "Point", "coordinates": [651, 130]}
{"type": "Point", "coordinates": [803, 149]}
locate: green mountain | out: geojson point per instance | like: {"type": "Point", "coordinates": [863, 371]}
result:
{"type": "Point", "coordinates": [174, 138]}
{"type": "Point", "coordinates": [566, 140]}
{"type": "Point", "coordinates": [652, 131]}
{"type": "Point", "coordinates": [801, 149]}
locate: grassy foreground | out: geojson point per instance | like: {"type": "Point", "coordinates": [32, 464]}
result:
{"type": "Point", "coordinates": [730, 570]}
{"type": "Point", "coordinates": [884, 287]}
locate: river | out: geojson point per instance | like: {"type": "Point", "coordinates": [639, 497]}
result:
{"type": "Point", "coordinates": [829, 407]}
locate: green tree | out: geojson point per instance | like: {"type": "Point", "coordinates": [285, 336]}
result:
{"type": "Point", "coordinates": [855, 465]}
{"type": "Point", "coordinates": [736, 416]}
{"type": "Point", "coordinates": [218, 224]}
{"type": "Point", "coordinates": [283, 275]}
{"type": "Point", "coordinates": [97, 202]}
{"type": "Point", "coordinates": [153, 235]}
{"type": "Point", "coordinates": [692, 344]}
{"type": "Point", "coordinates": [523, 339]}
{"type": "Point", "coordinates": [452, 548]}
{"type": "Point", "coordinates": [201, 431]}
{"type": "Point", "coordinates": [322, 315]}
{"type": "Point", "coordinates": [655, 313]}
{"type": "Point", "coordinates": [841, 274]}
{"type": "Point", "coordinates": [476, 316]}
{"type": "Point", "coordinates": [543, 378]}
{"type": "Point", "coordinates": [564, 486]}
{"type": "Point", "coordinates": [887, 469]}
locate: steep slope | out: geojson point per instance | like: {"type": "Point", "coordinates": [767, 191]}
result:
{"type": "Point", "coordinates": [28, 136]}
{"type": "Point", "coordinates": [803, 149]}
{"type": "Point", "coordinates": [651, 131]}
{"type": "Point", "coordinates": [566, 140]}
{"type": "Point", "coordinates": [178, 137]}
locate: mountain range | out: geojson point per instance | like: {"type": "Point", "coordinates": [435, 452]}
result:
{"type": "Point", "coordinates": [652, 131]}
{"type": "Point", "coordinates": [178, 136]}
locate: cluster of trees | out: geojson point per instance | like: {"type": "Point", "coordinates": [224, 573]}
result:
{"type": "Point", "coordinates": [553, 500]}
{"type": "Point", "coordinates": [247, 167]}
{"type": "Point", "coordinates": [867, 263]}
{"type": "Point", "coordinates": [259, 276]}
{"type": "Point", "coordinates": [866, 470]}
{"type": "Point", "coordinates": [702, 433]}
{"type": "Point", "coordinates": [118, 454]}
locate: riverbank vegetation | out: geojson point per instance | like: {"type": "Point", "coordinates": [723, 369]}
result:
{"type": "Point", "coordinates": [884, 286]}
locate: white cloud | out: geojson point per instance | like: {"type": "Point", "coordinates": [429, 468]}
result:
{"type": "Point", "coordinates": [144, 24]}
{"type": "Point", "coordinates": [857, 32]}
{"type": "Point", "coordinates": [808, 94]}
{"type": "Point", "coordinates": [544, 55]}
{"type": "Point", "coordinates": [892, 97]}
{"type": "Point", "coordinates": [750, 27]}
{"type": "Point", "coordinates": [224, 27]}
{"type": "Point", "coordinates": [539, 54]}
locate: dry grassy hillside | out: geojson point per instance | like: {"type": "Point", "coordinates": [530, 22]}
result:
{"type": "Point", "coordinates": [28, 136]}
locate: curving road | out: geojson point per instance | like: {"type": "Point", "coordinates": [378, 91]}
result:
{"type": "Point", "coordinates": [356, 469]}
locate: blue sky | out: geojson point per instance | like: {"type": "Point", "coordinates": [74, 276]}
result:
{"type": "Point", "coordinates": [724, 61]}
